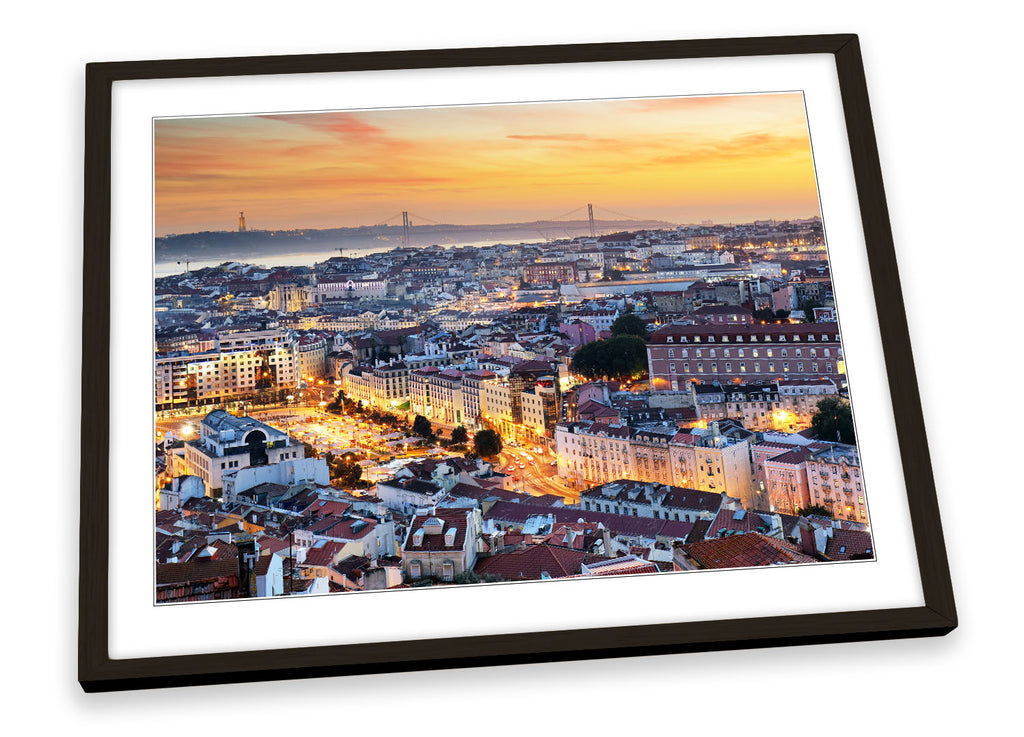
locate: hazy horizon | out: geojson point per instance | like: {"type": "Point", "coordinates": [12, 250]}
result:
{"type": "Point", "coordinates": [735, 158]}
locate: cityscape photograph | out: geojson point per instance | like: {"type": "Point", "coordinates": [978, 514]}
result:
{"type": "Point", "coordinates": [404, 348]}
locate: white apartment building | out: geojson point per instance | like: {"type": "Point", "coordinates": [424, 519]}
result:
{"type": "Point", "coordinates": [240, 364]}
{"type": "Point", "coordinates": [311, 358]}
{"type": "Point", "coordinates": [707, 460]}
{"type": "Point", "coordinates": [227, 443]}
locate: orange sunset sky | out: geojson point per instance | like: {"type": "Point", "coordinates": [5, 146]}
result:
{"type": "Point", "coordinates": [726, 158]}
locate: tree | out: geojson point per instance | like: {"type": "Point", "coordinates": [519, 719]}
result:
{"type": "Point", "coordinates": [620, 357]}
{"type": "Point", "coordinates": [555, 285]}
{"type": "Point", "coordinates": [808, 306]}
{"type": "Point", "coordinates": [421, 426]}
{"type": "Point", "coordinates": [629, 324]}
{"type": "Point", "coordinates": [815, 509]}
{"type": "Point", "coordinates": [460, 435]}
{"type": "Point", "coordinates": [487, 443]}
{"type": "Point", "coordinates": [833, 421]}
{"type": "Point", "coordinates": [770, 315]}
{"type": "Point", "coordinates": [523, 284]}
{"type": "Point", "coordinates": [347, 473]}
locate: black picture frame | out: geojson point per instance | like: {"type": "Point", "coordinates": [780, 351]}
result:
{"type": "Point", "coordinates": [97, 671]}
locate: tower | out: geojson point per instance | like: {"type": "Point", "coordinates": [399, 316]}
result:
{"type": "Point", "coordinates": [405, 229]}
{"type": "Point", "coordinates": [241, 222]}
{"type": "Point", "coordinates": [590, 213]}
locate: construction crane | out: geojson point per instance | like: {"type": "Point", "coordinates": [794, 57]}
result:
{"type": "Point", "coordinates": [186, 265]}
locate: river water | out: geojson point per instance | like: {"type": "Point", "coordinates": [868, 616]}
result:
{"type": "Point", "coordinates": [308, 258]}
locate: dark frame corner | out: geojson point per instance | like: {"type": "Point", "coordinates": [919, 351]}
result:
{"type": "Point", "coordinates": [98, 672]}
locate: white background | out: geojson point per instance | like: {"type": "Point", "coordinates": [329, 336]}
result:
{"type": "Point", "coordinates": [948, 135]}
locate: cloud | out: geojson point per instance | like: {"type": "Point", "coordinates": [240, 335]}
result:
{"type": "Point", "coordinates": [561, 138]}
{"type": "Point", "coordinates": [342, 125]}
{"type": "Point", "coordinates": [744, 146]}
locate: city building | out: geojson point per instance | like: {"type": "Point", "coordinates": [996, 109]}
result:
{"type": "Point", "coordinates": [678, 354]}
{"type": "Point", "coordinates": [441, 544]}
{"type": "Point", "coordinates": [834, 481]}
{"type": "Point", "coordinates": [227, 443]}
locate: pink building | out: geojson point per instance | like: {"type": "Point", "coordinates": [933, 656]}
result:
{"type": "Point", "coordinates": [786, 480]}
{"type": "Point", "coordinates": [579, 333]}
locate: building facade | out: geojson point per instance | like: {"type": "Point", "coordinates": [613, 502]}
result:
{"type": "Point", "coordinates": [678, 354]}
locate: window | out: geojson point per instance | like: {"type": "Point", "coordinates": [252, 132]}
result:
{"type": "Point", "coordinates": [671, 353]}
{"type": "Point", "coordinates": [415, 569]}
{"type": "Point", "coordinates": [448, 570]}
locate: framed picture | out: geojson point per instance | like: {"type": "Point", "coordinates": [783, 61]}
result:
{"type": "Point", "coordinates": [429, 359]}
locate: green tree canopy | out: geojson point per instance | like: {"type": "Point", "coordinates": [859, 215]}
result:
{"type": "Point", "coordinates": [629, 324]}
{"type": "Point", "coordinates": [459, 435]}
{"type": "Point", "coordinates": [620, 357]}
{"type": "Point", "coordinates": [833, 421]}
{"type": "Point", "coordinates": [487, 443]}
{"type": "Point", "coordinates": [421, 426]}
{"type": "Point", "coordinates": [346, 472]}
{"type": "Point", "coordinates": [815, 509]}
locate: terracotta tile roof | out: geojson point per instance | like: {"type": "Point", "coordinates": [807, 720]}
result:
{"type": "Point", "coordinates": [743, 551]}
{"type": "Point", "coordinates": [351, 564]}
{"type": "Point", "coordinates": [323, 555]}
{"type": "Point", "coordinates": [628, 564]}
{"type": "Point", "coordinates": [197, 569]}
{"type": "Point", "coordinates": [737, 520]}
{"type": "Point", "coordinates": [847, 544]}
{"type": "Point", "coordinates": [794, 457]}
{"type": "Point", "coordinates": [449, 519]}
{"type": "Point", "coordinates": [532, 563]}
{"type": "Point", "coordinates": [262, 567]}
{"type": "Point", "coordinates": [272, 544]}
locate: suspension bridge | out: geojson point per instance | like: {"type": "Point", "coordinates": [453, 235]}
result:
{"type": "Point", "coordinates": [578, 221]}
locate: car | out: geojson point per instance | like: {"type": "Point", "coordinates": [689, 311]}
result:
{"type": "Point", "coordinates": [522, 465]}
{"type": "Point", "coordinates": [531, 461]}
{"type": "Point", "coordinates": [511, 467]}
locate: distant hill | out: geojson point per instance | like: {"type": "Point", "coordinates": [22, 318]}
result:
{"type": "Point", "coordinates": [232, 245]}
